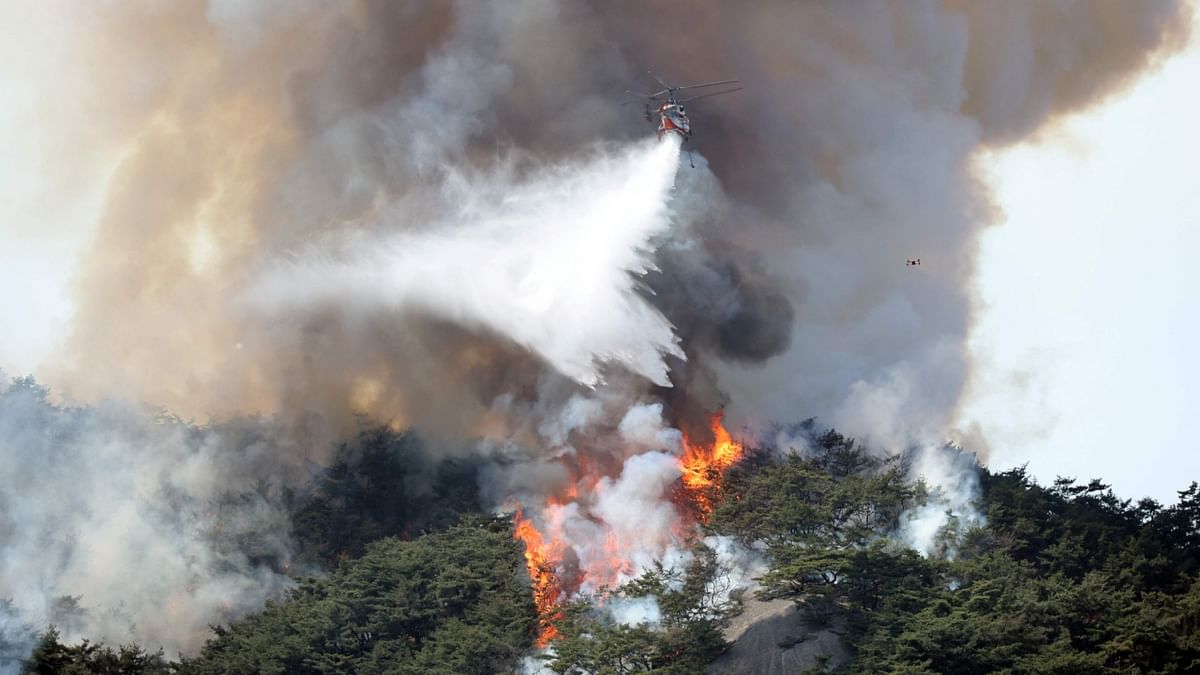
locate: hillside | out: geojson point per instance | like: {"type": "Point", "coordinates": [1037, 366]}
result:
{"type": "Point", "coordinates": [1064, 578]}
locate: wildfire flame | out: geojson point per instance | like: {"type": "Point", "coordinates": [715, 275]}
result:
{"type": "Point", "coordinates": [540, 560]}
{"type": "Point", "coordinates": [702, 467]}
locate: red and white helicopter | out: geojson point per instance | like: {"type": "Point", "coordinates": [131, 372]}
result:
{"type": "Point", "coordinates": [672, 117]}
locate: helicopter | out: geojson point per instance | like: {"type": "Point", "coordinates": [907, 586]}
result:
{"type": "Point", "coordinates": [668, 107]}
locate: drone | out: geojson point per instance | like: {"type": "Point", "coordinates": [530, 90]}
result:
{"type": "Point", "coordinates": [668, 107]}
{"type": "Point", "coordinates": [912, 262]}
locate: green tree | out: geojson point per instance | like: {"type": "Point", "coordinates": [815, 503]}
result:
{"type": "Point", "coordinates": [380, 484]}
{"type": "Point", "coordinates": [51, 656]}
{"type": "Point", "coordinates": [686, 637]}
{"type": "Point", "coordinates": [454, 601]}
{"type": "Point", "coordinates": [1067, 579]}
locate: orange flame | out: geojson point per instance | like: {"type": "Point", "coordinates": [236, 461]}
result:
{"type": "Point", "coordinates": [540, 561]}
{"type": "Point", "coordinates": [703, 466]}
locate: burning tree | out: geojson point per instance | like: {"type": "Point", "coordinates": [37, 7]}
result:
{"type": "Point", "coordinates": [540, 561]}
{"type": "Point", "coordinates": [704, 466]}
{"type": "Point", "coordinates": [695, 478]}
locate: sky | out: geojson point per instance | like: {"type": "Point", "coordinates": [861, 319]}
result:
{"type": "Point", "coordinates": [35, 269]}
{"type": "Point", "coordinates": [1089, 314]}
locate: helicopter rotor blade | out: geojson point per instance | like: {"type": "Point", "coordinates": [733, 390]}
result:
{"type": "Point", "coordinates": [715, 93]}
{"type": "Point", "coordinates": [660, 80]}
{"type": "Point", "coordinates": [640, 94]}
{"type": "Point", "coordinates": [706, 84]}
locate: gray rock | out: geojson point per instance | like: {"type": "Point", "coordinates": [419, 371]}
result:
{"type": "Point", "coordinates": [772, 638]}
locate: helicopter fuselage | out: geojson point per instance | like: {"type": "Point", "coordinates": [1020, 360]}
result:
{"type": "Point", "coordinates": [669, 107]}
{"type": "Point", "coordinates": [672, 118]}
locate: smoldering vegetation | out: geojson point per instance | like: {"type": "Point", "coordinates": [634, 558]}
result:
{"type": "Point", "coordinates": [124, 524]}
{"type": "Point", "coordinates": [411, 575]}
{"type": "Point", "coordinates": [120, 522]}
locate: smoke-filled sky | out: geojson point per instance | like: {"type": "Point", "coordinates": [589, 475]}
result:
{"type": "Point", "coordinates": [439, 214]}
{"type": "Point", "coordinates": [1090, 317]}
{"type": "Point", "coordinates": [164, 155]}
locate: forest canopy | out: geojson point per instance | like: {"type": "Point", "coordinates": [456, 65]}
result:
{"type": "Point", "coordinates": [411, 577]}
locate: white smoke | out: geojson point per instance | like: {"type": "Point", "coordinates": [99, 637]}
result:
{"type": "Point", "coordinates": [640, 521]}
{"type": "Point", "coordinates": [635, 611]}
{"type": "Point", "coordinates": [643, 426]}
{"type": "Point", "coordinates": [550, 262]}
{"type": "Point", "coordinates": [893, 415]}
{"type": "Point", "coordinates": [738, 567]}
{"type": "Point", "coordinates": [737, 573]}
{"type": "Point", "coordinates": [619, 519]}
{"type": "Point", "coordinates": [155, 528]}
{"type": "Point", "coordinates": [952, 479]}
{"type": "Point", "coordinates": [616, 527]}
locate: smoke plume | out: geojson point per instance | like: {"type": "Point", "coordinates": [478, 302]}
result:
{"type": "Point", "coordinates": [120, 524]}
{"type": "Point", "coordinates": [439, 214]}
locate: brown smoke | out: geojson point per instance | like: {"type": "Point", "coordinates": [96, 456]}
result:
{"type": "Point", "coordinates": [248, 131]}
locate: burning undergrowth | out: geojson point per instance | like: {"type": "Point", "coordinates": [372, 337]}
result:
{"type": "Point", "coordinates": [704, 464]}
{"type": "Point", "coordinates": [711, 510]}
{"type": "Point", "coordinates": [605, 530]}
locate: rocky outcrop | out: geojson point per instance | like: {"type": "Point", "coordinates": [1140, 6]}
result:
{"type": "Point", "coordinates": [770, 637]}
